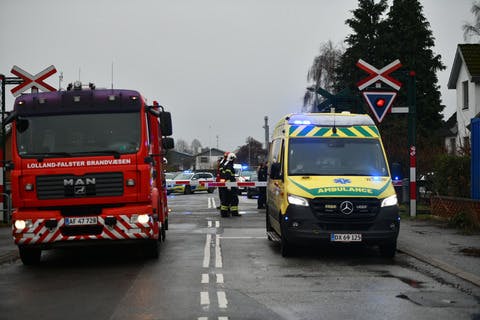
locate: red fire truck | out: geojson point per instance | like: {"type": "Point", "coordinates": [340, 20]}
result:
{"type": "Point", "coordinates": [87, 168]}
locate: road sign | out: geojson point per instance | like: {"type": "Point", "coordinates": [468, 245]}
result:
{"type": "Point", "coordinates": [32, 81]}
{"type": "Point", "coordinates": [380, 102]}
{"type": "Point", "coordinates": [379, 74]}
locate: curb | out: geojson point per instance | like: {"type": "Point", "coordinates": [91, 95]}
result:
{"type": "Point", "coordinates": [441, 265]}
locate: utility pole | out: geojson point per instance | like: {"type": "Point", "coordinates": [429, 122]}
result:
{"type": "Point", "coordinates": [267, 130]}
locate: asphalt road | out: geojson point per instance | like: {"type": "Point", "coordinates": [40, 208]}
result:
{"type": "Point", "coordinates": [225, 268]}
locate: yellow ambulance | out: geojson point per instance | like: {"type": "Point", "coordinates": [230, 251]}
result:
{"type": "Point", "coordinates": [329, 181]}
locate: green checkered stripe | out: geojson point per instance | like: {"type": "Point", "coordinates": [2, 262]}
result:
{"type": "Point", "coordinates": [345, 132]}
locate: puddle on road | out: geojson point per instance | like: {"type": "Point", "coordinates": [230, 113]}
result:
{"type": "Point", "coordinates": [411, 282]}
{"type": "Point", "coordinates": [471, 252]}
{"type": "Point", "coordinates": [439, 299]}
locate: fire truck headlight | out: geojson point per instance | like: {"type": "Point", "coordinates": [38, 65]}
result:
{"type": "Point", "coordinates": [29, 187]}
{"type": "Point", "coordinates": [130, 182]}
{"type": "Point", "coordinates": [143, 218]}
{"type": "Point", "coordinates": [22, 224]}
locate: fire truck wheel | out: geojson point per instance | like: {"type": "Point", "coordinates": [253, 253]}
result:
{"type": "Point", "coordinates": [30, 256]}
{"type": "Point", "coordinates": [152, 249]}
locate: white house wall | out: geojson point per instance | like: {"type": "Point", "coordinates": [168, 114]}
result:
{"type": "Point", "coordinates": [465, 115]}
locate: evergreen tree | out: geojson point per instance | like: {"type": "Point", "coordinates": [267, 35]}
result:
{"type": "Point", "coordinates": [410, 40]}
{"type": "Point", "coordinates": [364, 43]}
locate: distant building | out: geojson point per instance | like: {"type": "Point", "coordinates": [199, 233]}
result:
{"type": "Point", "coordinates": [465, 79]}
{"type": "Point", "coordinates": [208, 159]}
{"type": "Point", "coordinates": [179, 161]}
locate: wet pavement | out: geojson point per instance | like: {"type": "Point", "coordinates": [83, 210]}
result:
{"type": "Point", "coordinates": [429, 241]}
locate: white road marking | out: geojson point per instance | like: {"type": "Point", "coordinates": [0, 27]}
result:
{"type": "Point", "coordinates": [206, 251]}
{"type": "Point", "coordinates": [209, 223]}
{"type": "Point", "coordinates": [217, 224]}
{"type": "Point", "coordinates": [222, 299]}
{"type": "Point", "coordinates": [219, 277]}
{"type": "Point", "coordinates": [222, 318]}
{"type": "Point", "coordinates": [218, 253]}
{"type": "Point", "coordinates": [204, 298]}
{"type": "Point", "coordinates": [205, 278]}
{"type": "Point", "coordinates": [202, 318]}
{"type": "Point", "coordinates": [211, 203]}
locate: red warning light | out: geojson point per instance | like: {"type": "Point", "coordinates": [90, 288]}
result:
{"type": "Point", "coordinates": [380, 102]}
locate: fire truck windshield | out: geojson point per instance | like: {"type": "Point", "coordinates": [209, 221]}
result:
{"type": "Point", "coordinates": [77, 134]}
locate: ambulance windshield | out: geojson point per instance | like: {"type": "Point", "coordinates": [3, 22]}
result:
{"type": "Point", "coordinates": [336, 157]}
{"type": "Point", "coordinates": [73, 135]}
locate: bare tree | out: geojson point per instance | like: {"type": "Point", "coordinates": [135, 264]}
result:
{"type": "Point", "coordinates": [322, 73]}
{"type": "Point", "coordinates": [182, 146]}
{"type": "Point", "coordinates": [473, 30]}
{"type": "Point", "coordinates": [196, 146]}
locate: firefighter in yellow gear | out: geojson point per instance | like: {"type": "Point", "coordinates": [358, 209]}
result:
{"type": "Point", "coordinates": [229, 203]}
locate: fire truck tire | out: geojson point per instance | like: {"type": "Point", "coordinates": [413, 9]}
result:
{"type": "Point", "coordinates": [30, 256]}
{"type": "Point", "coordinates": [152, 249]}
{"type": "Point", "coordinates": [163, 234]}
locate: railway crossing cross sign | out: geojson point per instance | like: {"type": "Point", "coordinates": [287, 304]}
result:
{"type": "Point", "coordinates": [382, 74]}
{"type": "Point", "coordinates": [32, 81]}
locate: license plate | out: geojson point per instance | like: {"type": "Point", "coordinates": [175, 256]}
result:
{"type": "Point", "coordinates": [81, 221]}
{"type": "Point", "coordinates": [346, 237]}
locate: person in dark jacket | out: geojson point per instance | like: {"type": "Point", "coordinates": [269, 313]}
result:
{"type": "Point", "coordinates": [230, 203]}
{"type": "Point", "coordinates": [262, 176]}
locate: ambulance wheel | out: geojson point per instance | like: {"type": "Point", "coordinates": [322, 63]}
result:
{"type": "Point", "coordinates": [30, 256]}
{"type": "Point", "coordinates": [188, 190]}
{"type": "Point", "coordinates": [388, 250]}
{"type": "Point", "coordinates": [210, 190]}
{"type": "Point", "coordinates": [285, 246]}
{"type": "Point", "coordinates": [267, 220]}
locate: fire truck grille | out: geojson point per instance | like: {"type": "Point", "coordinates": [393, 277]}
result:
{"type": "Point", "coordinates": [90, 185]}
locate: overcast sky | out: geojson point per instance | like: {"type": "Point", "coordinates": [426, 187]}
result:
{"type": "Point", "coordinates": [219, 66]}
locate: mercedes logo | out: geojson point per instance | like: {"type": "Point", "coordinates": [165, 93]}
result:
{"type": "Point", "coordinates": [346, 207]}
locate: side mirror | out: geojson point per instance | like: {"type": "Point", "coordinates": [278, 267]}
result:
{"type": "Point", "coordinates": [166, 123]}
{"type": "Point", "coordinates": [275, 170]}
{"type": "Point", "coordinates": [168, 143]}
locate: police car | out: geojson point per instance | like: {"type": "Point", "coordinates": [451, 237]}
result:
{"type": "Point", "coordinates": [188, 182]}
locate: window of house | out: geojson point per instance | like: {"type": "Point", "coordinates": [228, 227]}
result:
{"type": "Point", "coordinates": [453, 146]}
{"type": "Point", "coordinates": [465, 94]}
{"type": "Point", "coordinates": [203, 159]}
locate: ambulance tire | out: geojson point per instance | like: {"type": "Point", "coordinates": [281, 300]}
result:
{"type": "Point", "coordinates": [210, 190]}
{"type": "Point", "coordinates": [30, 256]}
{"type": "Point", "coordinates": [152, 249]}
{"type": "Point", "coordinates": [388, 250]}
{"type": "Point", "coordinates": [188, 190]}
{"type": "Point", "coordinates": [285, 246]}
{"type": "Point", "coordinates": [268, 225]}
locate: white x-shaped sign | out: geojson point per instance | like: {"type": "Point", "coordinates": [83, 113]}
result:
{"type": "Point", "coordinates": [30, 80]}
